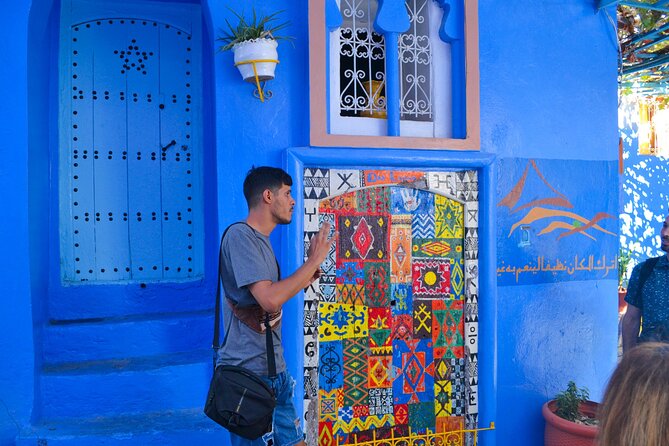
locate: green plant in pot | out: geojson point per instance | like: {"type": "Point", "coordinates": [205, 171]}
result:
{"type": "Point", "coordinates": [570, 418]}
{"type": "Point", "coordinates": [253, 42]}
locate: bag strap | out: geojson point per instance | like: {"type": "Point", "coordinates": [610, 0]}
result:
{"type": "Point", "coordinates": [646, 270]}
{"type": "Point", "coordinates": [217, 315]}
{"type": "Point", "coordinates": [271, 362]}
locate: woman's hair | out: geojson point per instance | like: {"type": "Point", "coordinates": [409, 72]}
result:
{"type": "Point", "coordinates": [635, 410]}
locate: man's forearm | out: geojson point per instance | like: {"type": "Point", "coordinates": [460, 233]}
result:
{"type": "Point", "coordinates": [300, 279]}
{"type": "Point", "coordinates": [272, 295]}
{"type": "Point", "coordinates": [630, 331]}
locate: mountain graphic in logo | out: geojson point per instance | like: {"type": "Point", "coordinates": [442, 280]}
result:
{"type": "Point", "coordinates": [556, 218]}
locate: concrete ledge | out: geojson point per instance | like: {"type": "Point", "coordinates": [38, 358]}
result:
{"type": "Point", "coordinates": [107, 388]}
{"type": "Point", "coordinates": [127, 337]}
{"type": "Point", "coordinates": [173, 427]}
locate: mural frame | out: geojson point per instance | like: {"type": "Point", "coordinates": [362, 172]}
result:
{"type": "Point", "coordinates": [297, 159]}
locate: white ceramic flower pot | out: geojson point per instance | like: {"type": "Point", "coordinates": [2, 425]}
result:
{"type": "Point", "coordinates": [258, 49]}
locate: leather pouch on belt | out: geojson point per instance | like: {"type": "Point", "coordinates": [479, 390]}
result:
{"type": "Point", "coordinates": [254, 316]}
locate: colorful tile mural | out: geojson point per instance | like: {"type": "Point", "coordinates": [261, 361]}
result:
{"type": "Point", "coordinates": [390, 328]}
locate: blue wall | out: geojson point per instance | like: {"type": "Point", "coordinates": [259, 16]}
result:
{"type": "Point", "coordinates": [548, 92]}
{"type": "Point", "coordinates": [16, 332]}
{"type": "Point", "coordinates": [251, 132]}
{"type": "Point", "coordinates": [548, 88]}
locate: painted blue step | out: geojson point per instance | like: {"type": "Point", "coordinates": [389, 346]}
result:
{"type": "Point", "coordinates": [68, 303]}
{"type": "Point", "coordinates": [128, 337]}
{"type": "Point", "coordinates": [135, 385]}
{"type": "Point", "coordinates": [169, 428]}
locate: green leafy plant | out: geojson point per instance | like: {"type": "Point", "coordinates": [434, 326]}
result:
{"type": "Point", "coordinates": [623, 263]}
{"type": "Point", "coordinates": [640, 36]}
{"type": "Point", "coordinates": [259, 27]}
{"type": "Point", "coordinates": [569, 401]}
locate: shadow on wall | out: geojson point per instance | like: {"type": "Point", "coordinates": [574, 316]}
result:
{"type": "Point", "coordinates": [643, 197]}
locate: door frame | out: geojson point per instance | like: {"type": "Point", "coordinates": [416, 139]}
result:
{"type": "Point", "coordinates": [72, 301]}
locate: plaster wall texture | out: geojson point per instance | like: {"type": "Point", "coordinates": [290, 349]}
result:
{"type": "Point", "coordinates": [548, 84]}
{"type": "Point", "coordinates": [548, 90]}
{"type": "Point", "coordinates": [16, 332]}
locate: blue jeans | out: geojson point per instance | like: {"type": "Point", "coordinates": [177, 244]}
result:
{"type": "Point", "coordinates": [286, 426]}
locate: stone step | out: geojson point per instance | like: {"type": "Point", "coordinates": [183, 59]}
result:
{"type": "Point", "coordinates": [128, 337]}
{"type": "Point", "coordinates": [72, 303]}
{"type": "Point", "coordinates": [166, 428]}
{"type": "Point", "coordinates": [126, 386]}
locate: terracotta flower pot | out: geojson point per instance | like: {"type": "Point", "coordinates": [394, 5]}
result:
{"type": "Point", "coordinates": [560, 432]}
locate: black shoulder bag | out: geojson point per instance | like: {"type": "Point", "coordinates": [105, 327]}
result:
{"type": "Point", "coordinates": [238, 399]}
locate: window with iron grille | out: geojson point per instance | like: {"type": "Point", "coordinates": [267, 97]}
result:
{"type": "Point", "coordinates": [358, 55]}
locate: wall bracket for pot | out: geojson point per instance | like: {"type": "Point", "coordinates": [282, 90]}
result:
{"type": "Point", "coordinates": [260, 91]}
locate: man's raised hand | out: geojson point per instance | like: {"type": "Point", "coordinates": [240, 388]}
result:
{"type": "Point", "coordinates": [321, 243]}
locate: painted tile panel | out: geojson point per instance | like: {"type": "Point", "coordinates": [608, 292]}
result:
{"type": "Point", "coordinates": [391, 327]}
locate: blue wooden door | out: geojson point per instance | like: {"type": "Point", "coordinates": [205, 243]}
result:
{"type": "Point", "coordinates": [130, 155]}
{"type": "Point", "coordinates": [129, 161]}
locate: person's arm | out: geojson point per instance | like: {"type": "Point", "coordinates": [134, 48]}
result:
{"type": "Point", "coordinates": [272, 295]}
{"type": "Point", "coordinates": [630, 327]}
{"type": "Point", "coordinates": [632, 319]}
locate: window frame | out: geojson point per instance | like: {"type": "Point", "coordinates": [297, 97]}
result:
{"type": "Point", "coordinates": [371, 126]}
{"type": "Point", "coordinates": [319, 101]}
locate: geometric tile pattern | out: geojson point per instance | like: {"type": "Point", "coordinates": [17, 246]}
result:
{"type": "Point", "coordinates": [329, 404]}
{"type": "Point", "coordinates": [391, 327]}
{"type": "Point", "coordinates": [330, 366]}
{"type": "Point", "coordinates": [355, 372]}
{"type": "Point", "coordinates": [422, 319]}
{"type": "Point", "coordinates": [380, 342]}
{"type": "Point", "coordinates": [448, 329]}
{"type": "Point", "coordinates": [341, 321]}
{"type": "Point", "coordinates": [363, 237]}
{"type": "Point", "coordinates": [316, 183]}
{"type": "Point", "coordinates": [400, 250]}
{"type": "Point", "coordinates": [401, 298]}
{"type": "Point", "coordinates": [431, 278]}
{"type": "Point", "coordinates": [414, 371]}
{"type": "Point", "coordinates": [377, 284]}
{"type": "Point", "coordinates": [449, 218]}
{"type": "Point", "coordinates": [379, 372]}
{"type": "Point", "coordinates": [402, 327]}
{"type": "Point", "coordinates": [374, 200]}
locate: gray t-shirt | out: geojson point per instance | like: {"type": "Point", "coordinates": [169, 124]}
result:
{"type": "Point", "coordinates": [247, 257]}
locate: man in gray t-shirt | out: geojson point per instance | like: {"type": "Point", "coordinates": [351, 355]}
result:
{"type": "Point", "coordinates": [247, 258]}
{"type": "Point", "coordinates": [250, 276]}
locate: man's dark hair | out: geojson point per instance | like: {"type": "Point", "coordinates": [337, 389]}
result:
{"type": "Point", "coordinates": [258, 179]}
